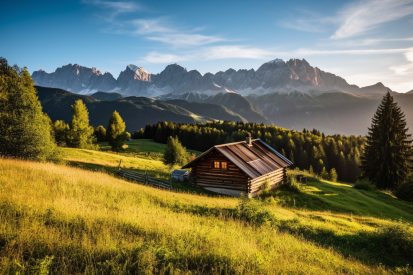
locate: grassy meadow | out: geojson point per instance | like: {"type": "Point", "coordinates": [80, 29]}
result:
{"type": "Point", "coordinates": [69, 220]}
{"type": "Point", "coordinates": [142, 148]}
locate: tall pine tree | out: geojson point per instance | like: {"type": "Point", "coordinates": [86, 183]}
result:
{"type": "Point", "coordinates": [25, 131]}
{"type": "Point", "coordinates": [388, 154]}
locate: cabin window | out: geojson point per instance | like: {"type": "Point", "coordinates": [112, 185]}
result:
{"type": "Point", "coordinates": [223, 165]}
{"type": "Point", "coordinates": [216, 164]}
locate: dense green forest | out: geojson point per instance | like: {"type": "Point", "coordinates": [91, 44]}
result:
{"type": "Point", "coordinates": [310, 150]}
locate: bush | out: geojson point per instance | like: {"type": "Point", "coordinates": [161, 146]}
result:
{"type": "Point", "coordinates": [292, 184]}
{"type": "Point", "coordinates": [399, 239]}
{"type": "Point", "coordinates": [405, 191]}
{"type": "Point", "coordinates": [265, 187]}
{"type": "Point", "coordinates": [253, 211]}
{"type": "Point", "coordinates": [364, 184]}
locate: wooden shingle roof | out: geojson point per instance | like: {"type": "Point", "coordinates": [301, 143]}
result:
{"type": "Point", "coordinates": [255, 160]}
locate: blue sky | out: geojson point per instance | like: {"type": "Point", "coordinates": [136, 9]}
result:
{"type": "Point", "coordinates": [364, 42]}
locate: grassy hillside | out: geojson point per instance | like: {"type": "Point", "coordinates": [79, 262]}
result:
{"type": "Point", "coordinates": [143, 148]}
{"type": "Point", "coordinates": [68, 220]}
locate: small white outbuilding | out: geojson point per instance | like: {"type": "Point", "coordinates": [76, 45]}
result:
{"type": "Point", "coordinates": [180, 175]}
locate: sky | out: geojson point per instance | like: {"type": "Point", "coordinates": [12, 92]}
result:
{"type": "Point", "coordinates": [364, 42]}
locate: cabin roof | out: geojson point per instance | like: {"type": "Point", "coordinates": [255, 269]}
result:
{"type": "Point", "coordinates": [255, 160]}
{"type": "Point", "coordinates": [179, 172]}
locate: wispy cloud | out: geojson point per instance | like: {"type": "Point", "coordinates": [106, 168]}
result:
{"type": "Point", "coordinates": [352, 52]}
{"type": "Point", "coordinates": [114, 8]}
{"type": "Point", "coordinates": [146, 26]}
{"type": "Point", "coordinates": [364, 16]}
{"type": "Point", "coordinates": [213, 53]}
{"type": "Point", "coordinates": [186, 40]}
{"type": "Point", "coordinates": [406, 68]}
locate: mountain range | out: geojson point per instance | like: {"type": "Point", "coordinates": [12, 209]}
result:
{"type": "Point", "coordinates": [271, 77]}
{"type": "Point", "coordinates": [290, 94]}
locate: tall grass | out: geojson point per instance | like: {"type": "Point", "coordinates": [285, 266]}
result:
{"type": "Point", "coordinates": [66, 220]}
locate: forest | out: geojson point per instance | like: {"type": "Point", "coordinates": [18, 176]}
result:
{"type": "Point", "coordinates": [309, 150]}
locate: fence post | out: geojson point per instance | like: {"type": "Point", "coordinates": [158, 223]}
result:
{"type": "Point", "coordinates": [170, 183]}
{"type": "Point", "coordinates": [120, 162]}
{"type": "Point", "coordinates": [146, 178]}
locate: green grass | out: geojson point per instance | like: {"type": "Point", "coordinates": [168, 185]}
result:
{"type": "Point", "coordinates": [143, 148]}
{"type": "Point", "coordinates": [69, 220]}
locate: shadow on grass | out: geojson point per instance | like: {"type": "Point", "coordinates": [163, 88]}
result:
{"type": "Point", "coordinates": [390, 246]}
{"type": "Point", "coordinates": [182, 187]}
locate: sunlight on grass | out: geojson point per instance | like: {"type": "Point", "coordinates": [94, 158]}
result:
{"type": "Point", "coordinates": [92, 221]}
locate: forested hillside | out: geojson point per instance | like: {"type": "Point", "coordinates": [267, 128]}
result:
{"type": "Point", "coordinates": [307, 149]}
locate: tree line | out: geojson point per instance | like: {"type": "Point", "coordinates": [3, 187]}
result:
{"type": "Point", "coordinates": [310, 150]}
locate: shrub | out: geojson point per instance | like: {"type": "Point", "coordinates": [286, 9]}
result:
{"type": "Point", "coordinates": [265, 187]}
{"type": "Point", "coordinates": [405, 191]}
{"type": "Point", "coordinates": [398, 239]}
{"type": "Point", "coordinates": [253, 211]}
{"type": "Point", "coordinates": [292, 184]}
{"type": "Point", "coordinates": [364, 184]}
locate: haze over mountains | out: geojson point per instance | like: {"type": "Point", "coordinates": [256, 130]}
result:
{"type": "Point", "coordinates": [290, 94]}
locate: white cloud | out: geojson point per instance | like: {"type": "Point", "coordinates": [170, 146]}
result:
{"type": "Point", "coordinates": [367, 42]}
{"type": "Point", "coordinates": [405, 69]}
{"type": "Point", "coordinates": [212, 53]}
{"type": "Point", "coordinates": [115, 8]}
{"type": "Point", "coordinates": [367, 15]}
{"type": "Point", "coordinates": [145, 26]}
{"type": "Point", "coordinates": [353, 52]}
{"type": "Point", "coordinates": [185, 40]}
{"type": "Point", "coordinates": [155, 57]}
{"type": "Point", "coordinates": [237, 51]}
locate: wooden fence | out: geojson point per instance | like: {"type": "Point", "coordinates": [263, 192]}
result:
{"type": "Point", "coordinates": [143, 178]}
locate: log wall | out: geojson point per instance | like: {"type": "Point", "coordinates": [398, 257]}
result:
{"type": "Point", "coordinates": [204, 175]}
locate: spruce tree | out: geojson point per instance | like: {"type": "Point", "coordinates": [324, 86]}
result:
{"type": "Point", "coordinates": [388, 154]}
{"type": "Point", "coordinates": [324, 174]}
{"type": "Point", "coordinates": [25, 131]}
{"type": "Point", "coordinates": [100, 133]}
{"type": "Point", "coordinates": [332, 176]}
{"type": "Point", "coordinates": [175, 153]}
{"type": "Point", "coordinates": [115, 132]}
{"type": "Point", "coordinates": [61, 131]}
{"type": "Point", "coordinates": [81, 133]}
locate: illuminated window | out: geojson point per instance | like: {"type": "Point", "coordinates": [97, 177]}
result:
{"type": "Point", "coordinates": [223, 165]}
{"type": "Point", "coordinates": [216, 164]}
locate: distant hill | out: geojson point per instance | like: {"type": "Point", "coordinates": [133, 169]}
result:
{"type": "Point", "coordinates": [135, 111]}
{"type": "Point", "coordinates": [331, 113]}
{"type": "Point", "coordinates": [106, 96]}
{"type": "Point", "coordinates": [234, 102]}
{"type": "Point", "coordinates": [208, 109]}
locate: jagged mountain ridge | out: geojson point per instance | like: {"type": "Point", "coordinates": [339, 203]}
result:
{"type": "Point", "coordinates": [270, 77]}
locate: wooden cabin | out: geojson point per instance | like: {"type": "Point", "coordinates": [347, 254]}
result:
{"type": "Point", "coordinates": [239, 168]}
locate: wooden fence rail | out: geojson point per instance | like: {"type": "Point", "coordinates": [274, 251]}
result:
{"type": "Point", "coordinates": [143, 178]}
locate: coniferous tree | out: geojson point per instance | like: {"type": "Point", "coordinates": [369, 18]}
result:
{"type": "Point", "coordinates": [332, 176]}
{"type": "Point", "coordinates": [61, 131]}
{"type": "Point", "coordinates": [100, 133]}
{"type": "Point", "coordinates": [25, 131]}
{"type": "Point", "coordinates": [81, 133]}
{"type": "Point", "coordinates": [324, 174]}
{"type": "Point", "coordinates": [175, 153]}
{"type": "Point", "coordinates": [388, 154]}
{"type": "Point", "coordinates": [115, 132]}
